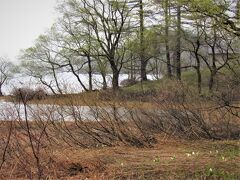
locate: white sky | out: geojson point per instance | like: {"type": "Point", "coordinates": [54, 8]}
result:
{"type": "Point", "coordinates": [21, 22]}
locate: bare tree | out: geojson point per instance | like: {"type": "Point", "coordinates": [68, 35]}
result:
{"type": "Point", "coordinates": [195, 39]}
{"type": "Point", "coordinates": [108, 21]}
{"type": "Point", "coordinates": [75, 47]}
{"type": "Point", "coordinates": [220, 48]}
{"type": "Point", "coordinates": [6, 72]}
{"type": "Point", "coordinates": [43, 61]}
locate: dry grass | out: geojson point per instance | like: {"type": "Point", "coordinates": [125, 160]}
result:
{"type": "Point", "coordinates": [81, 99]}
{"type": "Point", "coordinates": [5, 98]}
{"type": "Point", "coordinates": [86, 99]}
{"type": "Point", "coordinates": [169, 158]}
{"type": "Point", "coordinates": [94, 99]}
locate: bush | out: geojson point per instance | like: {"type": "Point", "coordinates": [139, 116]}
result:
{"type": "Point", "coordinates": [40, 94]}
{"type": "Point", "coordinates": [27, 94]}
{"type": "Point", "coordinates": [128, 82]}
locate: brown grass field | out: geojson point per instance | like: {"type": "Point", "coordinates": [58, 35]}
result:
{"type": "Point", "coordinates": [169, 158]}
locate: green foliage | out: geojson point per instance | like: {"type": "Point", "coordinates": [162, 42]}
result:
{"type": "Point", "coordinates": [152, 42]}
{"type": "Point", "coordinates": [189, 78]}
{"type": "Point", "coordinates": [209, 6]}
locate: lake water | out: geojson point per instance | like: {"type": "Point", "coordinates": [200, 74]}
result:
{"type": "Point", "coordinates": [67, 81]}
{"type": "Point", "coordinates": [15, 111]}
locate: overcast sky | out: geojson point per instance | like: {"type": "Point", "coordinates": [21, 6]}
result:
{"type": "Point", "coordinates": [21, 22]}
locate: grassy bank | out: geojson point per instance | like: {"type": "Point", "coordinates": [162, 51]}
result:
{"type": "Point", "coordinates": [143, 94]}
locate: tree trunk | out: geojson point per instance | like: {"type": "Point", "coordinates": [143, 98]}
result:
{"type": "Point", "coordinates": [142, 49]}
{"type": "Point", "coordinates": [131, 70]}
{"type": "Point", "coordinates": [115, 71]}
{"type": "Point", "coordinates": [115, 83]}
{"type": "Point", "coordinates": [1, 93]}
{"type": "Point", "coordinates": [213, 70]}
{"type": "Point", "coordinates": [211, 80]}
{"type": "Point", "coordinates": [143, 71]}
{"type": "Point", "coordinates": [238, 10]}
{"type": "Point", "coordinates": [104, 87]}
{"type": "Point", "coordinates": [90, 73]}
{"type": "Point", "coordinates": [166, 12]}
{"type": "Point", "coordinates": [56, 79]}
{"type": "Point", "coordinates": [156, 69]}
{"type": "Point", "coordinates": [77, 76]}
{"type": "Point", "coordinates": [178, 49]}
{"type": "Point", "coordinates": [48, 85]}
{"type": "Point", "coordinates": [199, 75]}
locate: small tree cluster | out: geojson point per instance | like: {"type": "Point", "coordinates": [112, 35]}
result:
{"type": "Point", "coordinates": [27, 94]}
